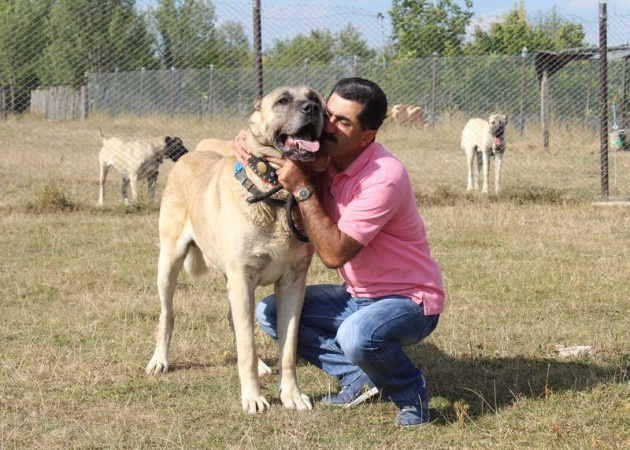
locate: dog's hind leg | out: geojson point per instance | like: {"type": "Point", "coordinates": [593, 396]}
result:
{"type": "Point", "coordinates": [470, 159]}
{"type": "Point", "coordinates": [498, 162]}
{"type": "Point", "coordinates": [486, 170]}
{"type": "Point", "coordinates": [123, 190]}
{"type": "Point", "coordinates": [175, 241]}
{"type": "Point", "coordinates": [133, 180]}
{"type": "Point", "coordinates": [102, 177]}
{"type": "Point", "coordinates": [151, 182]}
{"type": "Point", "coordinates": [170, 263]}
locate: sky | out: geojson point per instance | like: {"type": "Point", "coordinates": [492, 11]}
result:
{"type": "Point", "coordinates": [578, 8]}
{"type": "Point", "coordinates": [486, 11]}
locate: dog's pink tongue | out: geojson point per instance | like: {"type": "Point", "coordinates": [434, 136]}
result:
{"type": "Point", "coordinates": [309, 146]}
{"type": "Point", "coordinates": [497, 140]}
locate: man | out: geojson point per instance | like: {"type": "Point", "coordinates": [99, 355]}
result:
{"type": "Point", "coordinates": [364, 222]}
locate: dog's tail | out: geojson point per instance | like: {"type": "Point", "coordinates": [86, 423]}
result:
{"type": "Point", "coordinates": [195, 263]}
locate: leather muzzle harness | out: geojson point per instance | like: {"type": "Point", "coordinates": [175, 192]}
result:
{"type": "Point", "coordinates": [267, 173]}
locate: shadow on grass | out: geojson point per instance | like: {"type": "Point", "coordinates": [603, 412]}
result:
{"type": "Point", "coordinates": [474, 385]}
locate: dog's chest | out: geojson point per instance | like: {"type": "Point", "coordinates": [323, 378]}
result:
{"type": "Point", "coordinates": [268, 263]}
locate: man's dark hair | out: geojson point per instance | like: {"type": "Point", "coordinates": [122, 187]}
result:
{"type": "Point", "coordinates": [369, 95]}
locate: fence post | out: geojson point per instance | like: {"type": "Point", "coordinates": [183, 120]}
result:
{"type": "Point", "coordinates": [211, 91]}
{"type": "Point", "coordinates": [3, 105]}
{"type": "Point", "coordinates": [624, 93]}
{"type": "Point", "coordinates": [434, 90]}
{"type": "Point", "coordinates": [170, 111]}
{"type": "Point", "coordinates": [603, 98]}
{"type": "Point", "coordinates": [544, 108]}
{"type": "Point", "coordinates": [306, 71]}
{"type": "Point", "coordinates": [142, 72]}
{"type": "Point", "coordinates": [84, 104]}
{"type": "Point", "coordinates": [258, 51]}
{"type": "Point", "coordinates": [521, 123]}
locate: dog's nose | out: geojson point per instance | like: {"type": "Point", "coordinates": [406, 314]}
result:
{"type": "Point", "coordinates": [310, 108]}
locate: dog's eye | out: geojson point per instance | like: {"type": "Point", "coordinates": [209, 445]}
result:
{"type": "Point", "coordinates": [282, 101]}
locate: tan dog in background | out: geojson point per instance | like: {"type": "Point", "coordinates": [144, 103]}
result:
{"type": "Point", "coordinates": [408, 115]}
{"type": "Point", "coordinates": [484, 139]}
{"type": "Point", "coordinates": [205, 219]}
{"type": "Point", "coordinates": [136, 160]}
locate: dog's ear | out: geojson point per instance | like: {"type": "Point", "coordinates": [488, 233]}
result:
{"type": "Point", "coordinates": [168, 140]}
{"type": "Point", "coordinates": [257, 104]}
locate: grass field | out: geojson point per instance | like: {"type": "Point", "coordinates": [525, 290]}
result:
{"type": "Point", "coordinates": [536, 267]}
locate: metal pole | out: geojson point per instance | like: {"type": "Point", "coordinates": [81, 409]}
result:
{"type": "Point", "coordinates": [258, 51]}
{"type": "Point", "coordinates": [521, 123]}
{"type": "Point", "coordinates": [603, 98]}
{"type": "Point", "coordinates": [624, 94]}
{"type": "Point", "coordinates": [306, 71]}
{"type": "Point", "coordinates": [434, 90]}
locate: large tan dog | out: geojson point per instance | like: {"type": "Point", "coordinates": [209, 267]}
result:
{"type": "Point", "coordinates": [484, 139]}
{"type": "Point", "coordinates": [136, 160]}
{"type": "Point", "coordinates": [221, 146]}
{"type": "Point", "coordinates": [205, 218]}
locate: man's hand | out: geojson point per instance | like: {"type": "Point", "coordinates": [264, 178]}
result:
{"type": "Point", "coordinates": [241, 152]}
{"type": "Point", "coordinates": [292, 175]}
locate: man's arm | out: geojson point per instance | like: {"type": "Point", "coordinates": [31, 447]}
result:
{"type": "Point", "coordinates": [334, 247]}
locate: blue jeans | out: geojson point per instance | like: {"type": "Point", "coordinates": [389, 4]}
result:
{"type": "Point", "coordinates": [346, 337]}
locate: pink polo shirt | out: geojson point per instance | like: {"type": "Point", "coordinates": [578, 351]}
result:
{"type": "Point", "coordinates": [373, 202]}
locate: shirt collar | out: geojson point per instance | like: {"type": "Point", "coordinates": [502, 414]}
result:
{"type": "Point", "coordinates": [357, 165]}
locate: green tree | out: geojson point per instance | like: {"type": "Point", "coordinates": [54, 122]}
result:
{"type": "Point", "coordinates": [508, 37]}
{"type": "Point", "coordinates": [93, 36]}
{"type": "Point", "coordinates": [186, 33]}
{"type": "Point", "coordinates": [321, 48]}
{"type": "Point", "coordinates": [318, 48]}
{"type": "Point", "coordinates": [22, 41]}
{"type": "Point", "coordinates": [421, 27]}
{"type": "Point", "coordinates": [232, 45]}
{"type": "Point", "coordinates": [349, 44]}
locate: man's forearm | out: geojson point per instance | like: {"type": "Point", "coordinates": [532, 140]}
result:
{"type": "Point", "coordinates": [333, 246]}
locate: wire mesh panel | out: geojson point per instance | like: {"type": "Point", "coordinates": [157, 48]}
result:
{"type": "Point", "coordinates": [185, 68]}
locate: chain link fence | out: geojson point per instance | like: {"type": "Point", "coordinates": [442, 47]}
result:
{"type": "Point", "coordinates": [140, 69]}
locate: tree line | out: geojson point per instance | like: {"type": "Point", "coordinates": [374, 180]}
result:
{"type": "Point", "coordinates": [53, 42]}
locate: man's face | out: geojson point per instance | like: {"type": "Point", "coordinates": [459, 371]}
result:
{"type": "Point", "coordinates": [343, 136]}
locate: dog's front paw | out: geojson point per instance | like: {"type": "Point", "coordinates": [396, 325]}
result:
{"type": "Point", "coordinates": [294, 399]}
{"type": "Point", "coordinates": [254, 404]}
{"type": "Point", "coordinates": [157, 365]}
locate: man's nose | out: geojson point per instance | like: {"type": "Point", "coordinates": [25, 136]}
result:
{"type": "Point", "coordinates": [329, 125]}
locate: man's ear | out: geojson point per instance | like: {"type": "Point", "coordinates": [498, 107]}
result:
{"type": "Point", "coordinates": [368, 137]}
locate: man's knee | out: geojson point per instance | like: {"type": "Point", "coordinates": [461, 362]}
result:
{"type": "Point", "coordinates": [354, 341]}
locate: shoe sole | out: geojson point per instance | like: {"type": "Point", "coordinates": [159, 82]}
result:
{"type": "Point", "coordinates": [367, 395]}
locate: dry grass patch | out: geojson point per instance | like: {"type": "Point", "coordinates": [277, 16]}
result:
{"type": "Point", "coordinates": [531, 268]}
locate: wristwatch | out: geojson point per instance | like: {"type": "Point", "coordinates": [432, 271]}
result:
{"type": "Point", "coordinates": [303, 193]}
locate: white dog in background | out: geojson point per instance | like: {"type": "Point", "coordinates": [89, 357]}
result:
{"type": "Point", "coordinates": [484, 139]}
{"type": "Point", "coordinates": [136, 160]}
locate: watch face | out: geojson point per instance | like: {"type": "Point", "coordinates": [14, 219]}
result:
{"type": "Point", "coordinates": [303, 193]}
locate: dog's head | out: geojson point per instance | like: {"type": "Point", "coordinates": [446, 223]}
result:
{"type": "Point", "coordinates": [288, 120]}
{"type": "Point", "coordinates": [497, 122]}
{"type": "Point", "coordinates": [173, 148]}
